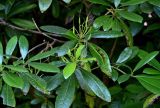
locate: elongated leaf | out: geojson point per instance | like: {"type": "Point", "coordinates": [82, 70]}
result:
{"type": "Point", "coordinates": [43, 55]}
{"type": "Point", "coordinates": [100, 21]}
{"type": "Point", "coordinates": [54, 81]}
{"type": "Point", "coordinates": [106, 35]}
{"type": "Point", "coordinates": [26, 24]}
{"type": "Point", "coordinates": [123, 78]}
{"type": "Point", "coordinates": [44, 5]}
{"type": "Point", "coordinates": [149, 82]}
{"type": "Point", "coordinates": [13, 80]}
{"type": "Point", "coordinates": [11, 46]}
{"type": "Point", "coordinates": [16, 68]}
{"type": "Point", "coordinates": [130, 16]}
{"type": "Point", "coordinates": [154, 2]}
{"type": "Point", "coordinates": [134, 88]}
{"type": "Point", "coordinates": [59, 30]}
{"type": "Point", "coordinates": [69, 69]}
{"type": "Point", "coordinates": [21, 8]}
{"type": "Point", "coordinates": [55, 8]}
{"type": "Point", "coordinates": [102, 58]}
{"type": "Point", "coordinates": [67, 1]}
{"type": "Point", "coordinates": [117, 2]}
{"type": "Point", "coordinates": [1, 53]}
{"type": "Point", "coordinates": [79, 51]}
{"type": "Point", "coordinates": [151, 71]}
{"type": "Point", "coordinates": [44, 67]}
{"type": "Point", "coordinates": [96, 86]}
{"type": "Point", "coordinates": [83, 83]}
{"type": "Point", "coordinates": [66, 94]}
{"type": "Point", "coordinates": [102, 2]}
{"type": "Point", "coordinates": [154, 63]}
{"type": "Point", "coordinates": [145, 60]}
{"type": "Point", "coordinates": [24, 46]}
{"type": "Point", "coordinates": [8, 96]}
{"type": "Point", "coordinates": [2, 7]}
{"type": "Point", "coordinates": [150, 99]}
{"type": "Point", "coordinates": [134, 2]}
{"type": "Point", "coordinates": [36, 81]}
{"type": "Point", "coordinates": [125, 55]}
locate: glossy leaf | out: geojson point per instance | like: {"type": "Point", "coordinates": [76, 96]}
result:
{"type": "Point", "coordinates": [154, 2]}
{"type": "Point", "coordinates": [45, 67]}
{"type": "Point", "coordinates": [16, 68]}
{"type": "Point", "coordinates": [102, 58]}
{"type": "Point", "coordinates": [24, 46]}
{"type": "Point", "coordinates": [54, 81]}
{"type": "Point", "coordinates": [150, 100]}
{"type": "Point", "coordinates": [117, 2]}
{"type": "Point", "coordinates": [79, 51]}
{"type": "Point", "coordinates": [44, 5]}
{"type": "Point", "coordinates": [123, 78]}
{"type": "Point", "coordinates": [145, 60]}
{"type": "Point", "coordinates": [13, 80]}
{"type": "Point", "coordinates": [151, 71]}
{"type": "Point", "coordinates": [130, 16]}
{"type": "Point", "coordinates": [125, 55]}
{"type": "Point", "coordinates": [65, 94]}
{"type": "Point", "coordinates": [8, 96]}
{"type": "Point", "coordinates": [134, 2]}
{"type": "Point", "coordinates": [59, 30]}
{"type": "Point", "coordinates": [96, 86]}
{"type": "Point", "coordinates": [102, 2]}
{"type": "Point", "coordinates": [114, 75]}
{"type": "Point", "coordinates": [67, 1]}
{"type": "Point", "coordinates": [100, 21]}
{"type": "Point", "coordinates": [69, 69]}
{"type": "Point", "coordinates": [106, 35]}
{"type": "Point", "coordinates": [43, 55]}
{"type": "Point", "coordinates": [11, 46]}
{"type": "Point", "coordinates": [1, 53]}
{"type": "Point", "coordinates": [149, 82]}
{"type": "Point", "coordinates": [36, 81]}
{"type": "Point", "coordinates": [26, 24]}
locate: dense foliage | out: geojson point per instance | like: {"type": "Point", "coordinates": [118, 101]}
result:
{"type": "Point", "coordinates": [79, 53]}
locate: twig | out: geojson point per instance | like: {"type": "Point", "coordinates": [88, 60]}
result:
{"type": "Point", "coordinates": [48, 35]}
{"type": "Point", "coordinates": [113, 48]}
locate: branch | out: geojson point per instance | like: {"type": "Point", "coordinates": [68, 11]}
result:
{"type": "Point", "coordinates": [48, 35]}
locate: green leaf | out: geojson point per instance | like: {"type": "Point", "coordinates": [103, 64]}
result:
{"type": "Point", "coordinates": [11, 46]}
{"type": "Point", "coordinates": [102, 2]}
{"type": "Point", "coordinates": [60, 31]}
{"type": "Point", "coordinates": [8, 96]}
{"type": "Point", "coordinates": [36, 81]}
{"type": "Point", "coordinates": [150, 100]}
{"type": "Point", "coordinates": [45, 67]}
{"type": "Point", "coordinates": [83, 84]}
{"type": "Point", "coordinates": [117, 2]}
{"type": "Point", "coordinates": [125, 55]}
{"type": "Point", "coordinates": [2, 7]}
{"type": "Point", "coordinates": [69, 69]}
{"type": "Point", "coordinates": [66, 93]}
{"type": "Point", "coordinates": [108, 24]}
{"type": "Point", "coordinates": [21, 8]}
{"type": "Point", "coordinates": [96, 86]}
{"type": "Point", "coordinates": [127, 33]}
{"type": "Point", "coordinates": [149, 82]}
{"type": "Point", "coordinates": [134, 2]}
{"type": "Point", "coordinates": [154, 63]}
{"type": "Point", "coordinates": [123, 78]}
{"type": "Point", "coordinates": [115, 90]}
{"type": "Point", "coordinates": [16, 68]}
{"type": "Point", "coordinates": [100, 21]}
{"type": "Point", "coordinates": [26, 24]}
{"type": "Point", "coordinates": [54, 81]}
{"type": "Point", "coordinates": [102, 58]}
{"type": "Point", "coordinates": [134, 88]}
{"type": "Point", "coordinates": [154, 2]}
{"type": "Point", "coordinates": [130, 16]}
{"type": "Point", "coordinates": [79, 51]}
{"type": "Point", "coordinates": [43, 55]}
{"type": "Point", "coordinates": [151, 71]}
{"type": "Point", "coordinates": [67, 1]}
{"type": "Point", "coordinates": [44, 5]}
{"type": "Point", "coordinates": [114, 75]}
{"type": "Point", "coordinates": [55, 8]}
{"type": "Point", "coordinates": [13, 80]}
{"type": "Point", "coordinates": [106, 35]}
{"type": "Point", "coordinates": [1, 53]}
{"type": "Point", "coordinates": [145, 60]}
{"type": "Point", "coordinates": [66, 47]}
{"type": "Point", "coordinates": [24, 46]}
